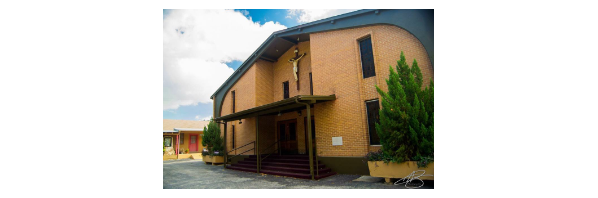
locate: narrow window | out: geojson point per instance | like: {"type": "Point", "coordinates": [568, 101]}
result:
{"type": "Point", "coordinates": [367, 58]}
{"type": "Point", "coordinates": [182, 139]}
{"type": "Point", "coordinates": [373, 108]}
{"type": "Point", "coordinates": [233, 92]}
{"type": "Point", "coordinates": [285, 87]}
{"type": "Point", "coordinates": [311, 85]}
{"type": "Point", "coordinates": [233, 139]}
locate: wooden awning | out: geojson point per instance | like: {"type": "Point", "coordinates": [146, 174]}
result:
{"type": "Point", "coordinates": [285, 105]}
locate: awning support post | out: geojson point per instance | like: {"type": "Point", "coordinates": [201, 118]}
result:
{"type": "Point", "coordinates": [309, 139]}
{"type": "Point", "coordinates": [225, 147]}
{"type": "Point", "coordinates": [257, 143]}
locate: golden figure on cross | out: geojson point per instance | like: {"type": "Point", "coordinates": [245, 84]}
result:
{"type": "Point", "coordinates": [295, 61]}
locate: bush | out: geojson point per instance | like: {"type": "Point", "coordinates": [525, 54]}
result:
{"type": "Point", "coordinates": [212, 139]}
{"type": "Point", "coordinates": [406, 127]}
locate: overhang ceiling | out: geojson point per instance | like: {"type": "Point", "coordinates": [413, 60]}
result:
{"type": "Point", "coordinates": [280, 45]}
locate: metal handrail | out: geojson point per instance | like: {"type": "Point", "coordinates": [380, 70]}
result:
{"type": "Point", "coordinates": [240, 154]}
{"type": "Point", "coordinates": [241, 147]}
{"type": "Point", "coordinates": [261, 159]}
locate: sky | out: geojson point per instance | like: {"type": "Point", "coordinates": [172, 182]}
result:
{"type": "Point", "coordinates": [202, 48]}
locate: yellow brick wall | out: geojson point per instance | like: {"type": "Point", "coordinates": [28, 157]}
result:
{"type": "Point", "coordinates": [336, 65]}
{"type": "Point", "coordinates": [264, 82]}
{"type": "Point", "coordinates": [245, 98]}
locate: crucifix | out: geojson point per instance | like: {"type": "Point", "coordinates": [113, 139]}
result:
{"type": "Point", "coordinates": [295, 61]}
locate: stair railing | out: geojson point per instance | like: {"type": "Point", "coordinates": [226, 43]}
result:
{"type": "Point", "coordinates": [229, 159]}
{"type": "Point", "coordinates": [262, 159]}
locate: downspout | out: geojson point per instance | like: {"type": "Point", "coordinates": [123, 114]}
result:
{"type": "Point", "coordinates": [311, 157]}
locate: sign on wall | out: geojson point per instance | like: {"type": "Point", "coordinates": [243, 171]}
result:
{"type": "Point", "coordinates": [337, 141]}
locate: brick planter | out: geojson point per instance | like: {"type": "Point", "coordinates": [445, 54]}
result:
{"type": "Point", "coordinates": [213, 159]}
{"type": "Point", "coordinates": [398, 170]}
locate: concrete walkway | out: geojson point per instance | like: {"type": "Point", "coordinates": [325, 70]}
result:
{"type": "Point", "coordinates": [195, 174]}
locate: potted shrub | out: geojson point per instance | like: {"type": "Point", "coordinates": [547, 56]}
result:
{"type": "Point", "coordinates": [218, 151]}
{"type": "Point", "coordinates": [406, 126]}
{"type": "Point", "coordinates": [213, 144]}
{"type": "Point", "coordinates": [205, 156]}
{"type": "Point", "coordinates": [186, 151]}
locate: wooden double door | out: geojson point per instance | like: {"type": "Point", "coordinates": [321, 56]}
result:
{"type": "Point", "coordinates": [287, 136]}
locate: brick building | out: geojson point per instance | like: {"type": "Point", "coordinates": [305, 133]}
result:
{"type": "Point", "coordinates": [263, 109]}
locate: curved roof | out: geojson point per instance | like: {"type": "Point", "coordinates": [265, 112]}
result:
{"type": "Point", "coordinates": [420, 23]}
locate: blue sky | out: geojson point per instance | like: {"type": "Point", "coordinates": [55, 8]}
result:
{"type": "Point", "coordinates": [202, 48]}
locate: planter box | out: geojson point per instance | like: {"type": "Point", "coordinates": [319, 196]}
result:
{"type": "Point", "coordinates": [213, 159]}
{"type": "Point", "coordinates": [398, 170]}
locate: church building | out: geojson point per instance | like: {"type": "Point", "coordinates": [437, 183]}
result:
{"type": "Point", "coordinates": [304, 104]}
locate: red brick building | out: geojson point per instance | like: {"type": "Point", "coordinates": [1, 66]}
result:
{"type": "Point", "coordinates": [263, 109]}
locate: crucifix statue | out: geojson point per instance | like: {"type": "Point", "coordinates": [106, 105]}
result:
{"type": "Point", "coordinates": [295, 61]}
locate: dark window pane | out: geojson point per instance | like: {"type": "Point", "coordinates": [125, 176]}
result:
{"type": "Point", "coordinates": [182, 139]}
{"type": "Point", "coordinates": [367, 58]}
{"type": "Point", "coordinates": [311, 85]}
{"type": "Point", "coordinates": [373, 108]}
{"type": "Point", "coordinates": [281, 131]}
{"type": "Point", "coordinates": [285, 87]}
{"type": "Point", "coordinates": [292, 131]}
{"type": "Point", "coordinates": [233, 138]}
{"type": "Point", "coordinates": [233, 101]}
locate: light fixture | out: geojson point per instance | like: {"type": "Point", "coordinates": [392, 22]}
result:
{"type": "Point", "coordinates": [279, 114]}
{"type": "Point", "coordinates": [299, 112]}
{"type": "Point", "coordinates": [240, 122]}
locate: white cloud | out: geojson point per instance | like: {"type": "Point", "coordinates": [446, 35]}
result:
{"type": "Point", "coordinates": [197, 44]}
{"type": "Point", "coordinates": [309, 15]}
{"type": "Point", "coordinates": [203, 119]}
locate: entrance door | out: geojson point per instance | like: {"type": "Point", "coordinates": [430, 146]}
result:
{"type": "Point", "coordinates": [193, 143]}
{"type": "Point", "coordinates": [313, 134]}
{"type": "Point", "coordinates": [287, 135]}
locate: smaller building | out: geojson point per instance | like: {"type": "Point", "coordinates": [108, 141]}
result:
{"type": "Point", "coordinates": [182, 138]}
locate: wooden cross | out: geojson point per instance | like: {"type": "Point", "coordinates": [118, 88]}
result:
{"type": "Point", "coordinates": [295, 62]}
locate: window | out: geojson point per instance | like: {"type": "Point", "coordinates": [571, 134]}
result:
{"type": "Point", "coordinates": [373, 107]}
{"type": "Point", "coordinates": [168, 141]}
{"type": "Point", "coordinates": [292, 131]}
{"type": "Point", "coordinates": [285, 88]}
{"type": "Point", "coordinates": [282, 132]}
{"type": "Point", "coordinates": [233, 144]}
{"type": "Point", "coordinates": [182, 139]}
{"type": "Point", "coordinates": [367, 58]}
{"type": "Point", "coordinates": [311, 85]}
{"type": "Point", "coordinates": [233, 95]}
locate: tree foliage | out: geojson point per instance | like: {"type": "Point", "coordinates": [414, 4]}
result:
{"type": "Point", "coordinates": [406, 127]}
{"type": "Point", "coordinates": [211, 138]}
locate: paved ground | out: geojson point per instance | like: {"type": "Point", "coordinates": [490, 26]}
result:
{"type": "Point", "coordinates": [196, 174]}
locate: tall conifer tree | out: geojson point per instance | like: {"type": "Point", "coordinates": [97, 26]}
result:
{"type": "Point", "coordinates": [406, 127]}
